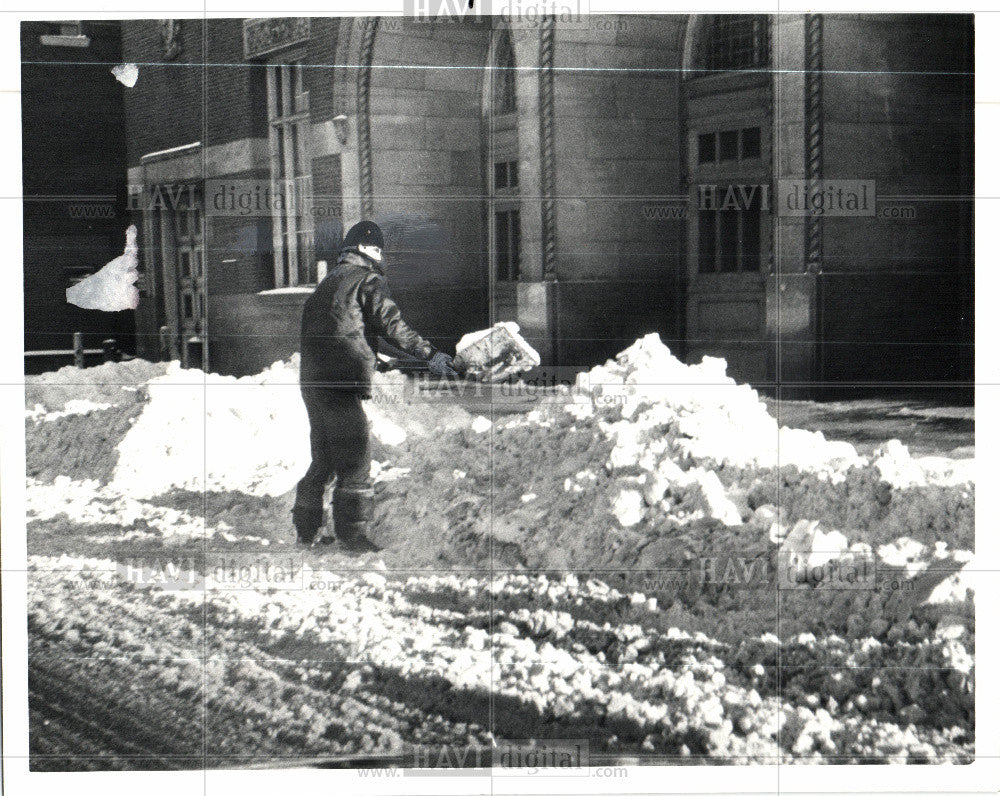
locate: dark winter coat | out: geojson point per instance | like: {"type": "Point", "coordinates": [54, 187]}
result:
{"type": "Point", "coordinates": [341, 322]}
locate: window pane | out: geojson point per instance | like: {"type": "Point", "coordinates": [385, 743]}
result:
{"type": "Point", "coordinates": [300, 148]}
{"type": "Point", "coordinates": [279, 102]}
{"type": "Point", "coordinates": [188, 306]}
{"type": "Point", "coordinates": [737, 41]}
{"type": "Point", "coordinates": [515, 244]}
{"type": "Point", "coordinates": [198, 269]}
{"type": "Point", "coordinates": [300, 97]}
{"type": "Point", "coordinates": [706, 241]}
{"type": "Point", "coordinates": [750, 143]}
{"type": "Point", "coordinates": [305, 269]}
{"type": "Point", "coordinates": [503, 245]}
{"type": "Point", "coordinates": [499, 175]}
{"type": "Point", "coordinates": [285, 270]}
{"type": "Point", "coordinates": [286, 90]}
{"type": "Point", "coordinates": [728, 142]}
{"type": "Point", "coordinates": [706, 148]}
{"type": "Point", "coordinates": [512, 174]}
{"type": "Point", "coordinates": [729, 236]}
{"type": "Point", "coordinates": [290, 206]}
{"type": "Point", "coordinates": [185, 264]}
{"type": "Point", "coordinates": [279, 160]}
{"type": "Point", "coordinates": [751, 236]}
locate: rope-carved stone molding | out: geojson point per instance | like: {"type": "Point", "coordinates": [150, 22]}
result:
{"type": "Point", "coordinates": [546, 108]}
{"type": "Point", "coordinates": [365, 178]}
{"type": "Point", "coordinates": [814, 134]}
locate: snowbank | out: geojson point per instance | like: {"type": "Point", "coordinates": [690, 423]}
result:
{"type": "Point", "coordinates": [708, 416]}
{"type": "Point", "coordinates": [114, 383]}
{"type": "Point", "coordinates": [248, 434]}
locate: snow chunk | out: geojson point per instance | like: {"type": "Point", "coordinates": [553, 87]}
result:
{"type": "Point", "coordinates": [481, 424]}
{"type": "Point", "coordinates": [627, 507]}
{"type": "Point", "coordinates": [904, 552]}
{"type": "Point", "coordinates": [807, 548]}
{"type": "Point", "coordinates": [126, 74]}
{"type": "Point", "coordinates": [495, 353]}
{"type": "Point", "coordinates": [112, 289]}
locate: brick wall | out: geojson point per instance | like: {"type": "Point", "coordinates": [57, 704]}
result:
{"type": "Point", "coordinates": [164, 109]}
{"type": "Point", "coordinates": [235, 91]}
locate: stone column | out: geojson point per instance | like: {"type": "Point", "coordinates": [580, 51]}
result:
{"type": "Point", "coordinates": [792, 284]}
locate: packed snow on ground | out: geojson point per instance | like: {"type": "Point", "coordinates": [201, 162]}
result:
{"type": "Point", "coordinates": [647, 465]}
{"type": "Point", "coordinates": [525, 639]}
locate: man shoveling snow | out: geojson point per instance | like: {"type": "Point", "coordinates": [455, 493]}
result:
{"type": "Point", "coordinates": [341, 323]}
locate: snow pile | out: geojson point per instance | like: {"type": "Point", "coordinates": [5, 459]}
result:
{"type": "Point", "coordinates": [248, 434]}
{"type": "Point", "coordinates": [697, 411]}
{"type": "Point", "coordinates": [898, 468]}
{"type": "Point", "coordinates": [114, 383]}
{"type": "Point", "coordinates": [698, 488]}
{"type": "Point", "coordinates": [808, 547]}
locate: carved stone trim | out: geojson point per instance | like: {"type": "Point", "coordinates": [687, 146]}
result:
{"type": "Point", "coordinates": [267, 35]}
{"type": "Point", "coordinates": [364, 120]}
{"type": "Point", "coordinates": [170, 38]}
{"type": "Point", "coordinates": [546, 109]}
{"type": "Point", "coordinates": [814, 135]}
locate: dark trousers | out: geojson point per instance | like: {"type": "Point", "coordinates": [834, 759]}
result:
{"type": "Point", "coordinates": [341, 449]}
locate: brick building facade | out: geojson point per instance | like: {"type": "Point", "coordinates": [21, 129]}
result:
{"type": "Point", "coordinates": [73, 157]}
{"type": "Point", "coordinates": [568, 175]}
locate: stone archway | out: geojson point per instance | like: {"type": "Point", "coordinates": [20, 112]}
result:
{"type": "Point", "coordinates": [727, 102]}
{"type": "Point", "coordinates": [421, 165]}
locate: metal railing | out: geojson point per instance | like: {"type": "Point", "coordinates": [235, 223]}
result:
{"type": "Point", "coordinates": [109, 349]}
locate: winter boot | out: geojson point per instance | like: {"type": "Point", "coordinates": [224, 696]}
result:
{"type": "Point", "coordinates": [354, 539]}
{"type": "Point", "coordinates": [353, 510]}
{"type": "Point", "coordinates": [307, 521]}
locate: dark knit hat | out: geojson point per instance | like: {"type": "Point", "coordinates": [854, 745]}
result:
{"type": "Point", "coordinates": [364, 233]}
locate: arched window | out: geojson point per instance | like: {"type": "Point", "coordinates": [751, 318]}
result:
{"type": "Point", "coordinates": [733, 42]}
{"type": "Point", "coordinates": [502, 164]}
{"type": "Point", "coordinates": [504, 74]}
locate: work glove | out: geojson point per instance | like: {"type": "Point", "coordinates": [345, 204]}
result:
{"type": "Point", "coordinates": [440, 365]}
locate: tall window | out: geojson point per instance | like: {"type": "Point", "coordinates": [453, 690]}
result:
{"type": "Point", "coordinates": [291, 174]}
{"type": "Point", "coordinates": [729, 232]}
{"type": "Point", "coordinates": [503, 159]}
{"type": "Point", "coordinates": [736, 41]}
{"type": "Point", "coordinates": [508, 238]}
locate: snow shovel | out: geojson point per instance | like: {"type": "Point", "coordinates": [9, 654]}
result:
{"type": "Point", "coordinates": [392, 358]}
